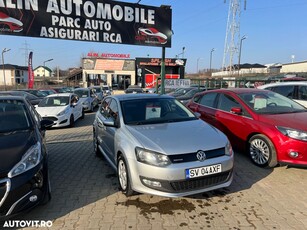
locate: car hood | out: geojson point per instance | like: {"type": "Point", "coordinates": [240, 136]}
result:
{"type": "Point", "coordinates": [290, 120]}
{"type": "Point", "coordinates": [13, 146]}
{"type": "Point", "coordinates": [50, 111]}
{"type": "Point", "coordinates": [178, 137]}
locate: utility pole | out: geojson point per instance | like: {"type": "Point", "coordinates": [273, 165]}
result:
{"type": "Point", "coordinates": [232, 38]}
{"type": "Point", "coordinates": [26, 52]}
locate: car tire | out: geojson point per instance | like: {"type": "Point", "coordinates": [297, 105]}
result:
{"type": "Point", "coordinates": [95, 145]}
{"type": "Point", "coordinates": [71, 121]}
{"type": "Point", "coordinates": [123, 177]}
{"type": "Point", "coordinates": [82, 116]}
{"type": "Point", "coordinates": [47, 195]}
{"type": "Point", "coordinates": [262, 151]}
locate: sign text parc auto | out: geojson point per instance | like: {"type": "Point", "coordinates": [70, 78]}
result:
{"type": "Point", "coordinates": [89, 20]}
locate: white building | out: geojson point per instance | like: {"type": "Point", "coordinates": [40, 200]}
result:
{"type": "Point", "coordinates": [11, 75]}
{"type": "Point", "coordinates": [42, 71]}
{"type": "Point", "coordinates": [295, 67]}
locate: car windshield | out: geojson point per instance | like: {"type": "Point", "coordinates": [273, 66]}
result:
{"type": "Point", "coordinates": [82, 93]}
{"type": "Point", "coordinates": [13, 116]}
{"type": "Point", "coordinates": [154, 110]}
{"type": "Point", "coordinates": [134, 90]}
{"type": "Point", "coordinates": [54, 101]}
{"type": "Point", "coordinates": [267, 102]}
{"type": "Point", "coordinates": [38, 93]}
{"type": "Point", "coordinates": [97, 90]}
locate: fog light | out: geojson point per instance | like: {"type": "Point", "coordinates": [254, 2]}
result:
{"type": "Point", "coordinates": [293, 154]}
{"type": "Point", "coordinates": [33, 198]}
{"type": "Point", "coordinates": [152, 183]}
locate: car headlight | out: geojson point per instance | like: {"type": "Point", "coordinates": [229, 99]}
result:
{"type": "Point", "coordinates": [151, 158]}
{"type": "Point", "coordinates": [63, 112]}
{"type": "Point", "coordinates": [86, 103]}
{"type": "Point", "coordinates": [293, 133]}
{"type": "Point", "coordinates": [29, 160]}
{"type": "Point", "coordinates": [228, 149]}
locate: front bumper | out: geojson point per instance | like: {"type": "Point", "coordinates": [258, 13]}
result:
{"type": "Point", "coordinates": [172, 179]}
{"type": "Point", "coordinates": [59, 121]}
{"type": "Point", "coordinates": [87, 107]}
{"type": "Point", "coordinates": [23, 192]}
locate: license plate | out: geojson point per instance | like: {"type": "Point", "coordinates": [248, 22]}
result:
{"type": "Point", "coordinates": [203, 171]}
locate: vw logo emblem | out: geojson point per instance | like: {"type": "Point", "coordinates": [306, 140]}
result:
{"type": "Point", "coordinates": [201, 155]}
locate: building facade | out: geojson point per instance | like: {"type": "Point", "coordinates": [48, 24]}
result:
{"type": "Point", "coordinates": [11, 75]}
{"type": "Point", "coordinates": [42, 71]}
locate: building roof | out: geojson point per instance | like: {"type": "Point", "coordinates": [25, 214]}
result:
{"type": "Point", "coordinates": [15, 67]}
{"type": "Point", "coordinates": [44, 67]}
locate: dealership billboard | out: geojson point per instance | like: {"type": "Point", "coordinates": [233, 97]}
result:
{"type": "Point", "coordinates": [97, 21]}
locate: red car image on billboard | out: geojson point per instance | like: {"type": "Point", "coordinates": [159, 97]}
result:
{"type": "Point", "coordinates": [151, 35]}
{"type": "Point", "coordinates": [10, 24]}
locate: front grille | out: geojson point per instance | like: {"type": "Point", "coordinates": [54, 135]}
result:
{"type": "Point", "coordinates": [51, 118]}
{"type": "Point", "coordinates": [188, 157]}
{"type": "Point", "coordinates": [199, 183]}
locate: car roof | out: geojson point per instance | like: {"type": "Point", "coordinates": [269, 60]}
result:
{"type": "Point", "coordinates": [137, 96]}
{"type": "Point", "coordinates": [234, 90]}
{"type": "Point", "coordinates": [283, 83]}
{"type": "Point", "coordinates": [17, 92]}
{"type": "Point", "coordinates": [9, 97]}
{"type": "Point", "coordinates": [79, 89]}
{"type": "Point", "coordinates": [60, 94]}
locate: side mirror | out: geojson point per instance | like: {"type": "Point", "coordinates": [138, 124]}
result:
{"type": "Point", "coordinates": [197, 114]}
{"type": "Point", "coordinates": [236, 110]}
{"type": "Point", "coordinates": [109, 123]}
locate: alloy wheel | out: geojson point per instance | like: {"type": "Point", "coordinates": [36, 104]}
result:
{"type": "Point", "coordinates": [122, 174]}
{"type": "Point", "coordinates": [259, 151]}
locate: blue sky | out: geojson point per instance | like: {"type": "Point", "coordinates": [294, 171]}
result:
{"type": "Point", "coordinates": [275, 30]}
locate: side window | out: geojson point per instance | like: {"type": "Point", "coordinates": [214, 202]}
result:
{"type": "Point", "coordinates": [113, 111]}
{"type": "Point", "coordinates": [302, 92]}
{"type": "Point", "coordinates": [74, 99]}
{"type": "Point", "coordinates": [226, 102]}
{"type": "Point", "coordinates": [285, 90]}
{"type": "Point", "coordinates": [208, 99]}
{"type": "Point", "coordinates": [104, 109]}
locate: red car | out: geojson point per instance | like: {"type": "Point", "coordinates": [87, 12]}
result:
{"type": "Point", "coordinates": [267, 125]}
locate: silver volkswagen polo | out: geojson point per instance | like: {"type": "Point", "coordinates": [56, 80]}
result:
{"type": "Point", "coordinates": [158, 146]}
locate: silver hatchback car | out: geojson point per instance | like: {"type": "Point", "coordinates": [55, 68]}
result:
{"type": "Point", "coordinates": [158, 146]}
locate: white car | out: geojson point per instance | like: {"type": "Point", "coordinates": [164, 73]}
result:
{"type": "Point", "coordinates": [295, 90]}
{"type": "Point", "coordinates": [63, 109]}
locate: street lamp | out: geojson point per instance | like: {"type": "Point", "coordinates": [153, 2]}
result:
{"type": "Point", "coordinates": [182, 53]}
{"type": "Point", "coordinates": [44, 67]}
{"type": "Point", "coordinates": [197, 64]}
{"type": "Point", "coordinates": [3, 51]}
{"type": "Point", "coordinates": [211, 59]}
{"type": "Point", "coordinates": [243, 38]}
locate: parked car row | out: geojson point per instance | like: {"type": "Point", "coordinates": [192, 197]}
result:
{"type": "Point", "coordinates": [155, 144]}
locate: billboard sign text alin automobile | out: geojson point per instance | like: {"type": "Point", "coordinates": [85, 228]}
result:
{"type": "Point", "coordinates": [97, 21]}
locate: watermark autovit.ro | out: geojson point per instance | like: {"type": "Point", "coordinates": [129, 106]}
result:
{"type": "Point", "coordinates": [27, 223]}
